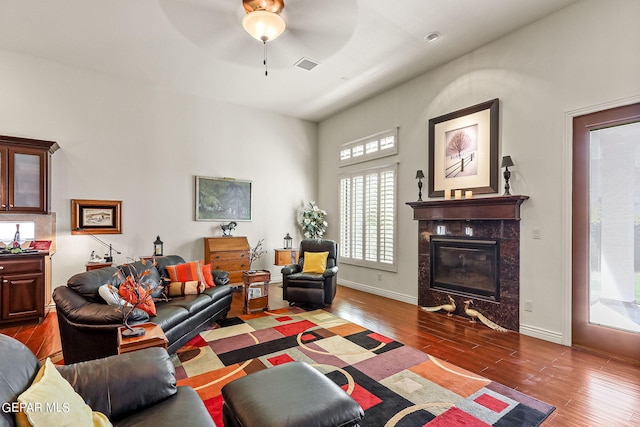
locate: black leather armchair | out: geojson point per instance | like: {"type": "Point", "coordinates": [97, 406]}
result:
{"type": "Point", "coordinates": [312, 288]}
{"type": "Point", "coordinates": [133, 389]}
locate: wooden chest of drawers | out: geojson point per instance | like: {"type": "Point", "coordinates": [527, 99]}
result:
{"type": "Point", "coordinates": [227, 253]}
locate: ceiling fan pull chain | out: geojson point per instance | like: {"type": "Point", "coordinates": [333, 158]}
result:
{"type": "Point", "coordinates": [266, 73]}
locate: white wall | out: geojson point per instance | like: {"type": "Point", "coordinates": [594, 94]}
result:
{"type": "Point", "coordinates": [584, 55]}
{"type": "Point", "coordinates": [122, 141]}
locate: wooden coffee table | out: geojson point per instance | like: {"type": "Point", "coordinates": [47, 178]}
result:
{"type": "Point", "coordinates": [153, 337]}
{"type": "Point", "coordinates": [256, 290]}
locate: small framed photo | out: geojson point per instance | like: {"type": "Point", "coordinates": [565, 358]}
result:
{"type": "Point", "coordinates": [96, 216]}
{"type": "Point", "coordinates": [463, 150]}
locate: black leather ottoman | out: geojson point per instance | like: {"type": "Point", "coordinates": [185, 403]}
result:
{"type": "Point", "coordinates": [290, 395]}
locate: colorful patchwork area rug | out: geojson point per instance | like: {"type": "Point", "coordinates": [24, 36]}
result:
{"type": "Point", "coordinates": [395, 384]}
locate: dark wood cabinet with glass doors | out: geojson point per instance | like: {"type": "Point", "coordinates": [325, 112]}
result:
{"type": "Point", "coordinates": [24, 175]}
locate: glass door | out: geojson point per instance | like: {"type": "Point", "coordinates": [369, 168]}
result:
{"type": "Point", "coordinates": [606, 232]}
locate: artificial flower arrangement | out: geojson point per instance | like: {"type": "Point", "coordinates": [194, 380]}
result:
{"type": "Point", "coordinates": [256, 252]}
{"type": "Point", "coordinates": [313, 221]}
{"type": "Point", "coordinates": [135, 293]}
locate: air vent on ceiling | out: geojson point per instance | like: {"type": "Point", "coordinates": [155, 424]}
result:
{"type": "Point", "coordinates": [306, 63]}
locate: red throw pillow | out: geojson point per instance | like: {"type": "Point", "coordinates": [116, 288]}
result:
{"type": "Point", "coordinates": [186, 272]}
{"type": "Point", "coordinates": [133, 293]}
{"type": "Point", "coordinates": [208, 278]}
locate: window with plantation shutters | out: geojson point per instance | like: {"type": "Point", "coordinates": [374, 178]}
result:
{"type": "Point", "coordinates": [381, 144]}
{"type": "Point", "coordinates": [368, 217]}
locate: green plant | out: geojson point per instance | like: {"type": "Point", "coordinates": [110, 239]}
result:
{"type": "Point", "coordinates": [313, 221]}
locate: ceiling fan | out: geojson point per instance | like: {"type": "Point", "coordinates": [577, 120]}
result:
{"type": "Point", "coordinates": [308, 31]}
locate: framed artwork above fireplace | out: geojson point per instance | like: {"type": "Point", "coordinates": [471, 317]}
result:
{"type": "Point", "coordinates": [463, 150]}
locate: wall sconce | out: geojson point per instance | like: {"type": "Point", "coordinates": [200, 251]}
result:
{"type": "Point", "coordinates": [158, 247]}
{"type": "Point", "coordinates": [419, 176]}
{"type": "Point", "coordinates": [506, 162]}
{"type": "Point", "coordinates": [287, 241]}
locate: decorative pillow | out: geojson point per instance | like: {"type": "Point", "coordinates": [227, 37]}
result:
{"type": "Point", "coordinates": [54, 402]}
{"type": "Point", "coordinates": [133, 293]}
{"type": "Point", "coordinates": [186, 272]}
{"type": "Point", "coordinates": [111, 295]}
{"type": "Point", "coordinates": [192, 287]}
{"type": "Point", "coordinates": [315, 262]}
{"type": "Point", "coordinates": [208, 278]}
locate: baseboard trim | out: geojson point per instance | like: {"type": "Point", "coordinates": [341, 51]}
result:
{"type": "Point", "coordinates": [543, 334]}
{"type": "Point", "coordinates": [381, 292]}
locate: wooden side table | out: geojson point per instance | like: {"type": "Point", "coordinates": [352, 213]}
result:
{"type": "Point", "coordinates": [96, 265]}
{"type": "Point", "coordinates": [256, 290]}
{"type": "Point", "coordinates": [153, 337]}
{"type": "Point", "coordinates": [286, 256]}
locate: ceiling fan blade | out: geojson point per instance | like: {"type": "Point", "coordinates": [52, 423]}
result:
{"type": "Point", "coordinates": [312, 32]}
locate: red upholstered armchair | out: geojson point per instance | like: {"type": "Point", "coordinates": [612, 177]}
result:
{"type": "Point", "coordinates": [312, 287]}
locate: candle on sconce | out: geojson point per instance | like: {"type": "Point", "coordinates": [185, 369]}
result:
{"type": "Point", "coordinates": [468, 194]}
{"type": "Point", "coordinates": [447, 194]}
{"type": "Point", "coordinates": [458, 194]}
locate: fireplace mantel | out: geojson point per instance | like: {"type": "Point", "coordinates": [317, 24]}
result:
{"type": "Point", "coordinates": [479, 208]}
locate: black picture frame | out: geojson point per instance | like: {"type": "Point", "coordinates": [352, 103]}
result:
{"type": "Point", "coordinates": [479, 126]}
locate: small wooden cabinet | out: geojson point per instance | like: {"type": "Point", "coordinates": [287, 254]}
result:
{"type": "Point", "coordinates": [286, 256]}
{"type": "Point", "coordinates": [23, 286]}
{"type": "Point", "coordinates": [24, 177]}
{"type": "Point", "coordinates": [229, 254]}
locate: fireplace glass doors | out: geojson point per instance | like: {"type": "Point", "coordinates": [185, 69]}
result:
{"type": "Point", "coordinates": [466, 267]}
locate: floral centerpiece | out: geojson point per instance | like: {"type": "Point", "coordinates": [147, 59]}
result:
{"type": "Point", "coordinates": [313, 221]}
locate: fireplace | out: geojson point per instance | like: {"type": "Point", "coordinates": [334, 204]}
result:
{"type": "Point", "coordinates": [466, 267]}
{"type": "Point", "coordinates": [483, 233]}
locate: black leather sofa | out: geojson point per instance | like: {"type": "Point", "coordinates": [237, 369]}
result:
{"type": "Point", "coordinates": [134, 389]}
{"type": "Point", "coordinates": [88, 326]}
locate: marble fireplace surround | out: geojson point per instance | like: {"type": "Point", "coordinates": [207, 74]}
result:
{"type": "Point", "coordinates": [491, 218]}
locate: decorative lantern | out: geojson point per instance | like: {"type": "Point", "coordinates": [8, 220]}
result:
{"type": "Point", "coordinates": [287, 241]}
{"type": "Point", "coordinates": [158, 245]}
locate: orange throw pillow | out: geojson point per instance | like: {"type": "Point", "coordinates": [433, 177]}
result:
{"type": "Point", "coordinates": [133, 293]}
{"type": "Point", "coordinates": [208, 278]}
{"type": "Point", "coordinates": [186, 272]}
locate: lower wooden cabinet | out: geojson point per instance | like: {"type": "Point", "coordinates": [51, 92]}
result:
{"type": "Point", "coordinates": [23, 286]}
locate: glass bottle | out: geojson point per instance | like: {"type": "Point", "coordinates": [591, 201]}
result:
{"type": "Point", "coordinates": [16, 237]}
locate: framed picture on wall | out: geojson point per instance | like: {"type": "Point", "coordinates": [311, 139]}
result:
{"type": "Point", "coordinates": [96, 216]}
{"type": "Point", "coordinates": [222, 199]}
{"type": "Point", "coordinates": [463, 150]}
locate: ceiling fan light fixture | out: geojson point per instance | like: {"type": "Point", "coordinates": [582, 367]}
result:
{"type": "Point", "coordinates": [263, 25]}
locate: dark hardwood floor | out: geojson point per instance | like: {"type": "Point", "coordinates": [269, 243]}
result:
{"type": "Point", "coordinates": [586, 389]}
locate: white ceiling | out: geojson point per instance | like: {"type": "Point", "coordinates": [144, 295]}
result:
{"type": "Point", "coordinates": [199, 47]}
